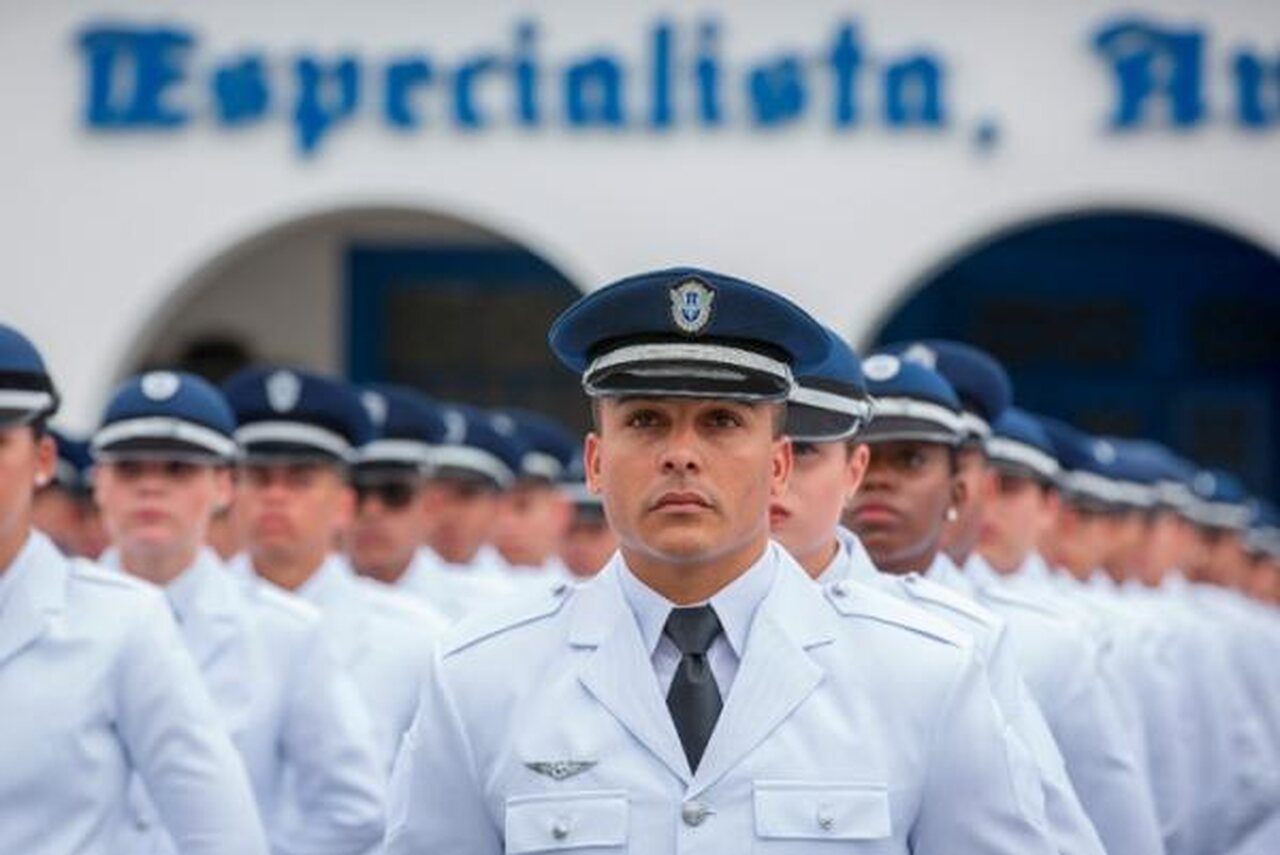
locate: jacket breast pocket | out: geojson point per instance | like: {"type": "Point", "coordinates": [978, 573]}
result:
{"type": "Point", "coordinates": [581, 822]}
{"type": "Point", "coordinates": [820, 811]}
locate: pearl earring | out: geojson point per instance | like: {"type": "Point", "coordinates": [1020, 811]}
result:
{"type": "Point", "coordinates": [951, 514]}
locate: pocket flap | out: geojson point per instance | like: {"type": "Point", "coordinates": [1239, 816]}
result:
{"type": "Point", "coordinates": [553, 822]}
{"type": "Point", "coordinates": [822, 810]}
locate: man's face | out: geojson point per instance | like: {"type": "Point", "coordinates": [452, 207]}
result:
{"type": "Point", "coordinates": [532, 523]}
{"type": "Point", "coordinates": [823, 481]}
{"type": "Point", "coordinates": [26, 462]}
{"type": "Point", "coordinates": [588, 545]}
{"type": "Point", "coordinates": [159, 506]}
{"type": "Point", "coordinates": [1125, 536]}
{"type": "Point", "coordinates": [1014, 518]}
{"type": "Point", "coordinates": [292, 511]}
{"type": "Point", "coordinates": [462, 515]}
{"type": "Point", "coordinates": [1079, 540]}
{"type": "Point", "coordinates": [900, 512]}
{"type": "Point", "coordinates": [389, 525]}
{"type": "Point", "coordinates": [960, 537]}
{"type": "Point", "coordinates": [687, 481]}
{"type": "Point", "coordinates": [1163, 547]}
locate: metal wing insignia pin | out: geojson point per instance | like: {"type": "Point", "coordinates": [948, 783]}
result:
{"type": "Point", "coordinates": [559, 770]}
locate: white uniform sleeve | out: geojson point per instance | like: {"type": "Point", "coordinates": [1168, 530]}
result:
{"type": "Point", "coordinates": [1102, 764]}
{"type": "Point", "coordinates": [973, 800]}
{"type": "Point", "coordinates": [436, 806]}
{"type": "Point", "coordinates": [338, 785]}
{"type": "Point", "coordinates": [175, 742]}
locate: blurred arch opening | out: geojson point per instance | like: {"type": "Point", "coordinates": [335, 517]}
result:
{"type": "Point", "coordinates": [378, 294]}
{"type": "Point", "coordinates": [1133, 323]}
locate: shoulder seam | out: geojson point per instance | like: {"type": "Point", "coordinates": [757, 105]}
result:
{"type": "Point", "coordinates": [519, 613]}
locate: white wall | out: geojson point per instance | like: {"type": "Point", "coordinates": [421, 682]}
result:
{"type": "Point", "coordinates": [281, 295]}
{"type": "Point", "coordinates": [98, 232]}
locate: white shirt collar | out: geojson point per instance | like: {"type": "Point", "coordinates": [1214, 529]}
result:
{"type": "Point", "coordinates": [185, 589]}
{"type": "Point", "coordinates": [327, 586]}
{"type": "Point", "coordinates": [735, 604]}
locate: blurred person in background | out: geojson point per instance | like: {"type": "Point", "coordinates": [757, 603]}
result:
{"type": "Point", "coordinates": [910, 492]}
{"type": "Point", "coordinates": [164, 452]}
{"type": "Point", "coordinates": [61, 508]}
{"type": "Point", "coordinates": [590, 541]}
{"type": "Point", "coordinates": [299, 432]}
{"type": "Point", "coordinates": [97, 685]}
{"type": "Point", "coordinates": [535, 513]}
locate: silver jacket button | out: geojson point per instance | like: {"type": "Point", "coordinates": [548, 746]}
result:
{"type": "Point", "coordinates": [560, 829]}
{"type": "Point", "coordinates": [694, 813]}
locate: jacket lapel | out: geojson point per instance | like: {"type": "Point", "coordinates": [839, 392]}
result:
{"type": "Point", "coordinates": [776, 673]}
{"type": "Point", "coordinates": [37, 599]}
{"type": "Point", "coordinates": [619, 673]}
{"type": "Point", "coordinates": [213, 622]}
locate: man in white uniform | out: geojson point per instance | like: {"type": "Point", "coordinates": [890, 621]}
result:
{"type": "Point", "coordinates": [702, 694]}
{"type": "Point", "coordinates": [299, 433]}
{"type": "Point", "coordinates": [163, 452]}
{"type": "Point", "coordinates": [96, 684]}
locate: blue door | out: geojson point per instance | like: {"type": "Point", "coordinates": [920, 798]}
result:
{"type": "Point", "coordinates": [462, 324]}
{"type": "Point", "coordinates": [1127, 324]}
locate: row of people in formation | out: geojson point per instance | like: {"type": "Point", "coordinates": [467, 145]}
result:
{"type": "Point", "coordinates": [1116, 596]}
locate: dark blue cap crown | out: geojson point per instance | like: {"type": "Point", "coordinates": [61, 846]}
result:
{"type": "Point", "coordinates": [912, 402]}
{"type": "Point", "coordinates": [1220, 501]}
{"type": "Point", "coordinates": [549, 447]}
{"type": "Point", "coordinates": [1019, 444]}
{"type": "Point", "coordinates": [26, 389]}
{"type": "Point", "coordinates": [829, 401]}
{"type": "Point", "coordinates": [74, 462]}
{"type": "Point", "coordinates": [290, 413]}
{"type": "Point", "coordinates": [407, 426]}
{"type": "Point", "coordinates": [686, 332]}
{"type": "Point", "coordinates": [980, 382]}
{"type": "Point", "coordinates": [474, 448]}
{"type": "Point", "coordinates": [167, 413]}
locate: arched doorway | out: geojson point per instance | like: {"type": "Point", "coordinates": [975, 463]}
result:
{"type": "Point", "coordinates": [380, 295]}
{"type": "Point", "coordinates": [1127, 323]}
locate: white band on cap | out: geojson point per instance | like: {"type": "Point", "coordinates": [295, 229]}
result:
{"type": "Point", "coordinates": [1138, 495]}
{"type": "Point", "coordinates": [472, 459]}
{"type": "Point", "coordinates": [1008, 450]}
{"type": "Point", "coordinates": [714, 354]}
{"type": "Point", "coordinates": [395, 451]}
{"type": "Point", "coordinates": [975, 424]}
{"type": "Point", "coordinates": [1092, 486]}
{"type": "Point", "coordinates": [164, 427]}
{"type": "Point", "coordinates": [1218, 514]}
{"type": "Point", "coordinates": [25, 399]}
{"type": "Point", "coordinates": [295, 433]}
{"type": "Point", "coordinates": [1174, 494]}
{"type": "Point", "coordinates": [831, 401]}
{"type": "Point", "coordinates": [541, 465]}
{"type": "Point", "coordinates": [910, 408]}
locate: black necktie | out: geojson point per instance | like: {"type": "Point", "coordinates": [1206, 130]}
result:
{"type": "Point", "coordinates": [694, 697]}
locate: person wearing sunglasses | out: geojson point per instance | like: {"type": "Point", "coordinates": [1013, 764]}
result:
{"type": "Point", "coordinates": [164, 453]}
{"type": "Point", "coordinates": [97, 687]}
{"type": "Point", "coordinates": [393, 514]}
{"type": "Point", "coordinates": [299, 433]}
